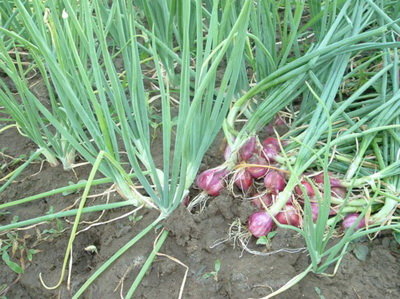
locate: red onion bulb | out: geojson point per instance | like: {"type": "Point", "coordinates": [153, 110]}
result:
{"type": "Point", "coordinates": [309, 189]}
{"type": "Point", "coordinates": [274, 181]}
{"type": "Point", "coordinates": [338, 192]}
{"type": "Point", "coordinates": [257, 172]}
{"type": "Point", "coordinates": [350, 219]}
{"type": "Point", "coordinates": [315, 211]}
{"type": "Point", "coordinates": [335, 182]}
{"type": "Point", "coordinates": [247, 150]}
{"type": "Point", "coordinates": [289, 215]}
{"type": "Point", "coordinates": [212, 180]}
{"type": "Point", "coordinates": [243, 180]}
{"type": "Point", "coordinates": [271, 148]}
{"type": "Point", "coordinates": [260, 224]}
{"type": "Point", "coordinates": [260, 200]}
{"type": "Point", "coordinates": [271, 141]}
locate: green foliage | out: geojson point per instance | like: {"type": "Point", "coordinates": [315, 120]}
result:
{"type": "Point", "coordinates": [213, 274]}
{"type": "Point", "coordinates": [72, 191]}
{"type": "Point", "coordinates": [12, 265]}
{"type": "Point", "coordinates": [266, 240]}
{"type": "Point", "coordinates": [11, 246]}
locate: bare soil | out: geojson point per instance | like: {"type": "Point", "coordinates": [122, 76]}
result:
{"type": "Point", "coordinates": [192, 241]}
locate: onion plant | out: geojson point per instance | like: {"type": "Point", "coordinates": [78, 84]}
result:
{"type": "Point", "coordinates": [21, 107]}
{"type": "Point", "coordinates": [329, 123]}
{"type": "Point", "coordinates": [327, 61]}
{"type": "Point", "coordinates": [102, 110]}
{"type": "Point", "coordinates": [95, 108]}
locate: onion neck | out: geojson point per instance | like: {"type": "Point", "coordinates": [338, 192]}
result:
{"type": "Point", "coordinates": [50, 157]}
{"type": "Point", "coordinates": [283, 196]}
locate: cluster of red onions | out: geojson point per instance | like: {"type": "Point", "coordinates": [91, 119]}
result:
{"type": "Point", "coordinates": [261, 223]}
{"type": "Point", "coordinates": [258, 163]}
{"type": "Point", "coordinates": [291, 214]}
{"type": "Point", "coordinates": [273, 179]}
{"type": "Point", "coordinates": [259, 158]}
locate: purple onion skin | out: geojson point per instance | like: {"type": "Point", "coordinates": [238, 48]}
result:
{"type": "Point", "coordinates": [335, 182]}
{"type": "Point", "coordinates": [212, 180]}
{"type": "Point", "coordinates": [260, 224]}
{"type": "Point", "coordinates": [271, 141]}
{"type": "Point", "coordinates": [350, 219]}
{"type": "Point", "coordinates": [338, 192]}
{"type": "Point", "coordinates": [257, 172]}
{"type": "Point", "coordinates": [204, 179]}
{"type": "Point", "coordinates": [315, 210]}
{"type": "Point", "coordinates": [271, 149]}
{"type": "Point", "coordinates": [248, 149]}
{"type": "Point", "coordinates": [270, 153]}
{"type": "Point", "coordinates": [266, 198]}
{"type": "Point", "coordinates": [310, 191]}
{"type": "Point", "coordinates": [274, 181]}
{"type": "Point", "coordinates": [289, 215]}
{"type": "Point", "coordinates": [243, 180]}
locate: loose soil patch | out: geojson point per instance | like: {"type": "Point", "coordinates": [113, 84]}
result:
{"type": "Point", "coordinates": [192, 241]}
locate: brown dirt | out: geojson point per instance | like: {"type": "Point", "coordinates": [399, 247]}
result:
{"type": "Point", "coordinates": [191, 240]}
